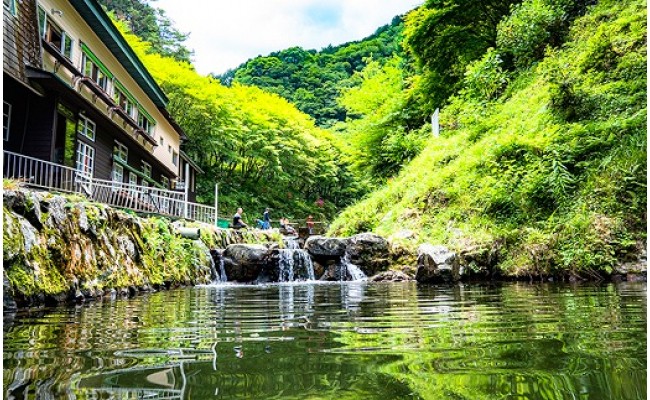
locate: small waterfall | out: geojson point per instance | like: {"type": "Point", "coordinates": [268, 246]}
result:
{"type": "Point", "coordinates": [222, 271]}
{"type": "Point", "coordinates": [285, 265]}
{"type": "Point", "coordinates": [217, 276]}
{"type": "Point", "coordinates": [306, 261]}
{"type": "Point", "coordinates": [291, 243]}
{"type": "Point", "coordinates": [294, 264]}
{"type": "Point", "coordinates": [347, 268]}
{"type": "Point", "coordinates": [213, 270]}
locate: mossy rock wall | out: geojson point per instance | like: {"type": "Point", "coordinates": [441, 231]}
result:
{"type": "Point", "coordinates": [62, 247]}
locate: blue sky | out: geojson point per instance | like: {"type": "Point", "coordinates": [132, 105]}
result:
{"type": "Point", "coordinates": [225, 33]}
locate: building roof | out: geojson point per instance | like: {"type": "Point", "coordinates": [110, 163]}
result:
{"type": "Point", "coordinates": [191, 162]}
{"type": "Point", "coordinates": [102, 25]}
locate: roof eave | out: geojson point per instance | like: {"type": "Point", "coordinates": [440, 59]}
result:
{"type": "Point", "coordinates": [102, 25]}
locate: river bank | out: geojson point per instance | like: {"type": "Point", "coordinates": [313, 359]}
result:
{"type": "Point", "coordinates": [59, 248]}
{"type": "Point", "coordinates": [63, 248]}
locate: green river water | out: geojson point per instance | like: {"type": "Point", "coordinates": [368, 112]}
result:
{"type": "Point", "coordinates": [337, 341]}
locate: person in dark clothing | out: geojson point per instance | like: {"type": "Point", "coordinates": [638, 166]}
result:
{"type": "Point", "coordinates": [266, 219]}
{"type": "Point", "coordinates": [237, 222]}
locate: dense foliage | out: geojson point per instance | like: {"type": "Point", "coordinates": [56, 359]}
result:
{"type": "Point", "coordinates": [312, 79]}
{"type": "Point", "coordinates": [543, 152]}
{"type": "Point", "coordinates": [260, 149]}
{"type": "Point", "coordinates": [152, 25]}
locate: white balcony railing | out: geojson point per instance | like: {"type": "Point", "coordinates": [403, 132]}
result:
{"type": "Point", "coordinates": [47, 175]}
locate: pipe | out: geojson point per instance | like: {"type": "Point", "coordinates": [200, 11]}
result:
{"type": "Point", "coordinates": [189, 233]}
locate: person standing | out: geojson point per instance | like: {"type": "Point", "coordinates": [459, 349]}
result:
{"type": "Point", "coordinates": [237, 222]}
{"type": "Point", "coordinates": [266, 219]}
{"type": "Point", "coordinates": [310, 224]}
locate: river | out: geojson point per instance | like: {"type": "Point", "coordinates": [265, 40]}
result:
{"type": "Point", "coordinates": [351, 340]}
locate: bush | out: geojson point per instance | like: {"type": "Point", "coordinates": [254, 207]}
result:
{"type": "Point", "coordinates": [533, 25]}
{"type": "Point", "coordinates": [484, 78]}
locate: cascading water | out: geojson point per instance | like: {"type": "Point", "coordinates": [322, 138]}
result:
{"type": "Point", "coordinates": [291, 244]}
{"type": "Point", "coordinates": [217, 276]}
{"type": "Point", "coordinates": [213, 268]}
{"type": "Point", "coordinates": [347, 268]}
{"type": "Point", "coordinates": [222, 271]}
{"type": "Point", "coordinates": [294, 264]}
{"type": "Point", "coordinates": [285, 265]}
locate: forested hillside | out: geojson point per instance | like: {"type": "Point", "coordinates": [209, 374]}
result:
{"type": "Point", "coordinates": [260, 149]}
{"type": "Point", "coordinates": [542, 156]}
{"type": "Point", "coordinates": [152, 25]}
{"type": "Point", "coordinates": [312, 80]}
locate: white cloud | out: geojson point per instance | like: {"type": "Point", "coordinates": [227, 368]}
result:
{"type": "Point", "coordinates": [225, 34]}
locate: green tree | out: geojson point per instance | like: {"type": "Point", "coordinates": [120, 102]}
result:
{"type": "Point", "coordinates": [152, 25]}
{"type": "Point", "coordinates": [444, 36]}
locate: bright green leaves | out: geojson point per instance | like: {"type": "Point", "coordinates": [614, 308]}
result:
{"type": "Point", "coordinates": [379, 139]}
{"type": "Point", "coordinates": [261, 149]}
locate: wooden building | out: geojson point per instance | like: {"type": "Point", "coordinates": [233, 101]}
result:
{"type": "Point", "coordinates": [76, 94]}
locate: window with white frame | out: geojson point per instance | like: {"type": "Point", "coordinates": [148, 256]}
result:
{"type": "Point", "coordinates": [145, 123]}
{"type": "Point", "coordinates": [94, 72]}
{"type": "Point", "coordinates": [85, 158]}
{"type": "Point", "coordinates": [161, 140]}
{"type": "Point", "coordinates": [121, 152]}
{"type": "Point", "coordinates": [54, 35]}
{"type": "Point", "coordinates": [86, 127]}
{"type": "Point", "coordinates": [133, 181]}
{"type": "Point", "coordinates": [6, 120]}
{"type": "Point", "coordinates": [146, 169]}
{"type": "Point", "coordinates": [175, 158]}
{"type": "Point", "coordinates": [123, 101]}
{"type": "Point", "coordinates": [118, 175]}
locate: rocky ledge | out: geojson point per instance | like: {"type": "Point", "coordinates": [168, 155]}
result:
{"type": "Point", "coordinates": [62, 247]}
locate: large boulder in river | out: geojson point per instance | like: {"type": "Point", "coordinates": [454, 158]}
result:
{"type": "Point", "coordinates": [437, 264]}
{"type": "Point", "coordinates": [244, 262]}
{"type": "Point", "coordinates": [369, 252]}
{"type": "Point", "coordinates": [325, 248]}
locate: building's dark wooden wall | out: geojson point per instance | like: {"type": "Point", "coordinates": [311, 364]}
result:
{"type": "Point", "coordinates": [20, 44]}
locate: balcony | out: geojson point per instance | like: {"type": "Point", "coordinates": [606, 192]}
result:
{"type": "Point", "coordinates": [49, 176]}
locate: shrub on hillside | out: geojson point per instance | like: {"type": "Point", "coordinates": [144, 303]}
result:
{"type": "Point", "coordinates": [532, 25]}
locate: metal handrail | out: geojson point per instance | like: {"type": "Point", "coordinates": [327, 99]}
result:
{"type": "Point", "coordinates": [42, 174]}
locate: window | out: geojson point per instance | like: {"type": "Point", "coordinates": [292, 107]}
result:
{"type": "Point", "coordinates": [11, 6]}
{"type": "Point", "coordinates": [169, 148]}
{"type": "Point", "coordinates": [123, 101]}
{"type": "Point", "coordinates": [161, 140]}
{"type": "Point", "coordinates": [54, 35]}
{"type": "Point", "coordinates": [133, 181]}
{"type": "Point", "coordinates": [85, 158]}
{"type": "Point", "coordinates": [6, 120]}
{"type": "Point", "coordinates": [145, 123]}
{"type": "Point", "coordinates": [118, 175]}
{"type": "Point", "coordinates": [121, 152]}
{"type": "Point", "coordinates": [86, 128]}
{"type": "Point", "coordinates": [165, 182]}
{"type": "Point", "coordinates": [97, 74]}
{"type": "Point", "coordinates": [146, 169]}
{"type": "Point", "coordinates": [175, 158]}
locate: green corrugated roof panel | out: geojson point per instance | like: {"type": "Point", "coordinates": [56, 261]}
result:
{"type": "Point", "coordinates": [102, 25]}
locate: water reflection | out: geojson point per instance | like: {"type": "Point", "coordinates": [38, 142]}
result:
{"type": "Point", "coordinates": [355, 340]}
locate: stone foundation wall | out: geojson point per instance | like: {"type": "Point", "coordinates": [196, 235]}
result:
{"type": "Point", "coordinates": [62, 247]}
